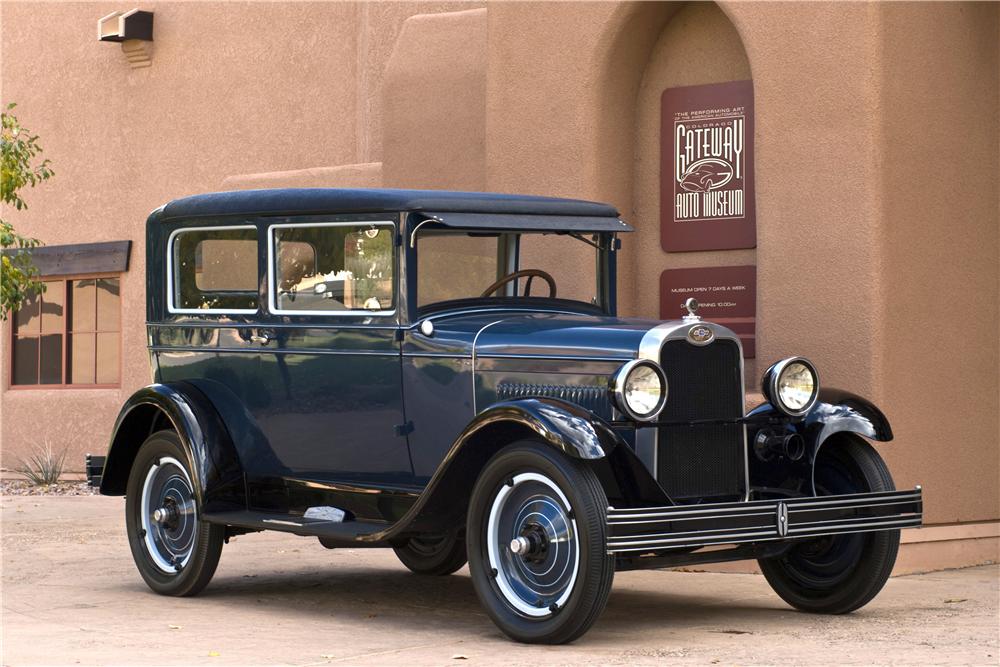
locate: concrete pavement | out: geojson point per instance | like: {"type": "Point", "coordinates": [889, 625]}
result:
{"type": "Point", "coordinates": [71, 595]}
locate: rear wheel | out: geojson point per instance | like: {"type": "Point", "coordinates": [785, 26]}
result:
{"type": "Point", "coordinates": [837, 574]}
{"type": "Point", "coordinates": [537, 544]}
{"type": "Point", "coordinates": [436, 556]}
{"type": "Point", "coordinates": [175, 551]}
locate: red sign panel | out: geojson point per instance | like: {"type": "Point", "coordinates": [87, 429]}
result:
{"type": "Point", "coordinates": [706, 167]}
{"type": "Point", "coordinates": [727, 294]}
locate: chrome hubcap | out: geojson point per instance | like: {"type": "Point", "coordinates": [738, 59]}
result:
{"type": "Point", "coordinates": [169, 530]}
{"type": "Point", "coordinates": [166, 514]}
{"type": "Point", "coordinates": [519, 545]}
{"type": "Point", "coordinates": [532, 545]}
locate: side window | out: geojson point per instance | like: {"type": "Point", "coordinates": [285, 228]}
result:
{"type": "Point", "coordinates": [213, 269]}
{"type": "Point", "coordinates": [332, 268]}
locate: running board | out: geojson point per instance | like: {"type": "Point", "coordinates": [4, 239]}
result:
{"type": "Point", "coordinates": [648, 529]}
{"type": "Point", "coordinates": [298, 525]}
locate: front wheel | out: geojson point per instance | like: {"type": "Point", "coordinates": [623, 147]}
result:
{"type": "Point", "coordinates": [537, 543]}
{"type": "Point", "coordinates": [175, 551]}
{"type": "Point", "coordinates": [837, 574]}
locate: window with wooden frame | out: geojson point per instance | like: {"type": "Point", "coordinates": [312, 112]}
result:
{"type": "Point", "coordinates": [69, 335]}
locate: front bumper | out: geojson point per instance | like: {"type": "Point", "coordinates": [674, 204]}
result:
{"type": "Point", "coordinates": [651, 529]}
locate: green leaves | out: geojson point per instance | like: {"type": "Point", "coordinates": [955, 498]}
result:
{"type": "Point", "coordinates": [19, 150]}
{"type": "Point", "coordinates": [19, 168]}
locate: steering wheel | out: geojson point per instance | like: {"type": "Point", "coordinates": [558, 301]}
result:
{"type": "Point", "coordinates": [530, 274]}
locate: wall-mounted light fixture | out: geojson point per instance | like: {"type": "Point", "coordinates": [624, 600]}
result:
{"type": "Point", "coordinates": [134, 30]}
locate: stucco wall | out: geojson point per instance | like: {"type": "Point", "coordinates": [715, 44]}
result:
{"type": "Point", "coordinates": [434, 103]}
{"type": "Point", "coordinates": [831, 257]}
{"type": "Point", "coordinates": [233, 89]}
{"type": "Point", "coordinates": [938, 177]}
{"type": "Point", "coordinates": [876, 150]}
{"type": "Point", "coordinates": [123, 141]}
{"type": "Point", "coordinates": [698, 45]}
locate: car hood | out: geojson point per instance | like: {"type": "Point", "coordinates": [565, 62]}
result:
{"type": "Point", "coordinates": [545, 334]}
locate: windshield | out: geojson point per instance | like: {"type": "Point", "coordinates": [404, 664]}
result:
{"type": "Point", "coordinates": [529, 266]}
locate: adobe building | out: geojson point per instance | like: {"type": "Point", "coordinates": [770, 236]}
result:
{"type": "Point", "coordinates": [869, 205]}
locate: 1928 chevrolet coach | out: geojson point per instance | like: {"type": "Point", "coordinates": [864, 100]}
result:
{"type": "Point", "coordinates": [445, 374]}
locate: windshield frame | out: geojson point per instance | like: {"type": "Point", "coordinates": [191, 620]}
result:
{"type": "Point", "coordinates": [605, 246]}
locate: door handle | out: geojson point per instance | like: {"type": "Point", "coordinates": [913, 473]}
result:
{"type": "Point", "coordinates": [260, 338]}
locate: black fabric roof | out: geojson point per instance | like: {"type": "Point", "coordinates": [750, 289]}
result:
{"type": "Point", "coordinates": [311, 201]}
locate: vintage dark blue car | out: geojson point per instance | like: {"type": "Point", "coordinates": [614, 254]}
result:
{"type": "Point", "coordinates": [445, 374]}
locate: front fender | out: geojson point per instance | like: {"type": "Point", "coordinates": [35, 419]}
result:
{"type": "Point", "coordinates": [212, 459]}
{"type": "Point", "coordinates": [567, 427]}
{"type": "Point", "coordinates": [573, 430]}
{"type": "Point", "coordinates": [836, 411]}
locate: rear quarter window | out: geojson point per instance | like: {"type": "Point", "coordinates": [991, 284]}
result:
{"type": "Point", "coordinates": [213, 269]}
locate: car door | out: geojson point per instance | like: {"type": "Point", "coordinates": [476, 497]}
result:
{"type": "Point", "coordinates": [329, 399]}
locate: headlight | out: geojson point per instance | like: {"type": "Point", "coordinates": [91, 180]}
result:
{"type": "Point", "coordinates": [791, 385]}
{"type": "Point", "coordinates": [639, 389]}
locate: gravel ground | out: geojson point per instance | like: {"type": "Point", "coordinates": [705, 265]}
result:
{"type": "Point", "coordinates": [71, 595]}
{"type": "Point", "coordinates": [20, 487]}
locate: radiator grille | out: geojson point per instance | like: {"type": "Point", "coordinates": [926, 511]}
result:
{"type": "Point", "coordinates": [592, 398]}
{"type": "Point", "coordinates": [705, 383]}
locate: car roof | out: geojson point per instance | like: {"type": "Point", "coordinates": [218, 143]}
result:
{"type": "Point", "coordinates": [313, 201]}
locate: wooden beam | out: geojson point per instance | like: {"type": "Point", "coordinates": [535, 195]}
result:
{"type": "Point", "coordinates": [80, 258]}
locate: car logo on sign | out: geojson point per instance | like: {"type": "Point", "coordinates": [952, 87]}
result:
{"type": "Point", "coordinates": [700, 335]}
{"type": "Point", "coordinates": [706, 174]}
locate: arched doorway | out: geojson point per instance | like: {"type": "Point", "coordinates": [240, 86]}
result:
{"type": "Point", "coordinates": [653, 47]}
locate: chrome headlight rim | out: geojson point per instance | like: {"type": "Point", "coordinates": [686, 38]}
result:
{"type": "Point", "coordinates": [616, 387]}
{"type": "Point", "coordinates": [769, 386]}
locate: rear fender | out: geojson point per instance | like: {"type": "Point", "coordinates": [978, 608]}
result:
{"type": "Point", "coordinates": [212, 459]}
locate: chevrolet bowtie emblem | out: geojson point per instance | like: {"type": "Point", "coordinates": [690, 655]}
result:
{"type": "Point", "coordinates": [700, 334]}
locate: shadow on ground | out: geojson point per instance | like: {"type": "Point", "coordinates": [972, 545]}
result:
{"type": "Point", "coordinates": [393, 596]}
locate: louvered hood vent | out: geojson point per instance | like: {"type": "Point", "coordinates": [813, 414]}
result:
{"type": "Point", "coordinates": [593, 398]}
